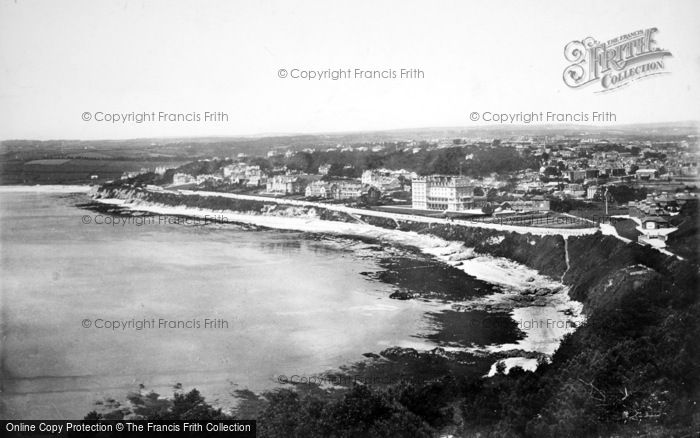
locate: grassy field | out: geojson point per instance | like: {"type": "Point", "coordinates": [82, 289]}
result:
{"type": "Point", "coordinates": [70, 171]}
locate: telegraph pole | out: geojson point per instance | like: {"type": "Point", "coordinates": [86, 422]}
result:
{"type": "Point", "coordinates": [606, 200]}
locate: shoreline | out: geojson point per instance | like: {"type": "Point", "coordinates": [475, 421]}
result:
{"type": "Point", "coordinates": [545, 321]}
{"type": "Point", "coordinates": [46, 188]}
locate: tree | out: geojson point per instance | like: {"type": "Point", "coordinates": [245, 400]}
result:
{"type": "Point", "coordinates": [403, 181]}
{"type": "Point", "coordinates": [302, 161]}
{"type": "Point", "coordinates": [183, 406]}
{"type": "Point", "coordinates": [551, 171]}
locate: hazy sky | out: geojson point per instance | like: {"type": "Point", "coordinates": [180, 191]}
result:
{"type": "Point", "coordinates": [60, 58]}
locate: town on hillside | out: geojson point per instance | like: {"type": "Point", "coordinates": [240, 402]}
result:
{"type": "Point", "coordinates": [643, 187]}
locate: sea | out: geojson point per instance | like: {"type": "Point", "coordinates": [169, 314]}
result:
{"type": "Point", "coordinates": [93, 308]}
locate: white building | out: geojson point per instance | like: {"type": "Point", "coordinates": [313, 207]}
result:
{"type": "Point", "coordinates": [440, 192]}
{"type": "Point", "coordinates": [284, 185]}
{"type": "Point", "coordinates": [201, 179]}
{"type": "Point", "coordinates": [591, 191]}
{"type": "Point", "coordinates": [646, 173]}
{"type": "Point", "coordinates": [318, 189]}
{"type": "Point", "coordinates": [232, 169]}
{"type": "Point", "coordinates": [343, 190]}
{"type": "Point", "coordinates": [524, 206]}
{"type": "Point", "coordinates": [323, 169]}
{"type": "Point", "coordinates": [655, 231]}
{"type": "Point", "coordinates": [254, 176]}
{"type": "Point", "coordinates": [183, 178]}
{"type": "Point", "coordinates": [386, 180]}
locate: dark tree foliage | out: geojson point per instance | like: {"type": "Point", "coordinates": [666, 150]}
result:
{"type": "Point", "coordinates": [450, 161]}
{"type": "Point", "coordinates": [182, 406]}
{"type": "Point", "coordinates": [622, 194]}
{"type": "Point", "coordinates": [566, 205]}
{"type": "Point", "coordinates": [362, 412]}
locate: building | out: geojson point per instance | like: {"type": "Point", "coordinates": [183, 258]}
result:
{"type": "Point", "coordinates": [591, 191]}
{"type": "Point", "coordinates": [524, 206]}
{"type": "Point", "coordinates": [655, 231]}
{"type": "Point", "coordinates": [574, 190]}
{"type": "Point", "coordinates": [201, 179]}
{"type": "Point", "coordinates": [346, 190]}
{"type": "Point", "coordinates": [685, 198]}
{"type": "Point", "coordinates": [576, 175]}
{"type": "Point", "coordinates": [645, 207]}
{"type": "Point", "coordinates": [592, 173]}
{"type": "Point", "coordinates": [318, 189]}
{"type": "Point", "coordinates": [369, 176]}
{"type": "Point", "coordinates": [613, 171]}
{"type": "Point", "coordinates": [284, 185]}
{"type": "Point", "coordinates": [323, 169]}
{"type": "Point", "coordinates": [233, 169]}
{"type": "Point", "coordinates": [183, 178]}
{"type": "Point", "coordinates": [254, 176]}
{"type": "Point", "coordinates": [241, 173]}
{"type": "Point", "coordinates": [441, 192]}
{"type": "Point", "coordinates": [646, 173]}
{"type": "Point", "coordinates": [385, 181]}
{"type": "Point", "coordinates": [662, 205]}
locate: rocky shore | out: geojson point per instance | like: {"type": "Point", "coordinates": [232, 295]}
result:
{"type": "Point", "coordinates": [470, 269]}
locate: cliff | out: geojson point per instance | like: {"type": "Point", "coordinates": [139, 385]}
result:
{"type": "Point", "coordinates": [252, 207]}
{"type": "Point", "coordinates": [600, 269]}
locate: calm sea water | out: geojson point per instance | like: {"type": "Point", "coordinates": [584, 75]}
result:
{"type": "Point", "coordinates": [294, 306]}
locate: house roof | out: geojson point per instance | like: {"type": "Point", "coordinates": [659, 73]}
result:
{"type": "Point", "coordinates": [657, 219]}
{"type": "Point", "coordinates": [685, 196]}
{"type": "Point", "coordinates": [664, 198]}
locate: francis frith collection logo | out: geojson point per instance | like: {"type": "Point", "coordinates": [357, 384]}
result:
{"type": "Point", "coordinates": [614, 63]}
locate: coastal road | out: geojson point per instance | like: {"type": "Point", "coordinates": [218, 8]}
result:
{"type": "Point", "coordinates": [539, 231]}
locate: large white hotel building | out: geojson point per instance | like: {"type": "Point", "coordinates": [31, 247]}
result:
{"type": "Point", "coordinates": [442, 192]}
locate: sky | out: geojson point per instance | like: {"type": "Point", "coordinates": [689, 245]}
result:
{"type": "Point", "coordinates": [60, 59]}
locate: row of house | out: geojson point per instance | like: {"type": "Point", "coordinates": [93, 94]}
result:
{"type": "Point", "coordinates": [314, 188]}
{"type": "Point", "coordinates": [386, 179]}
{"type": "Point", "coordinates": [341, 190]}
{"type": "Point", "coordinates": [285, 185]}
{"type": "Point", "coordinates": [663, 205]}
{"type": "Point", "coordinates": [241, 173]}
{"type": "Point", "coordinates": [652, 215]}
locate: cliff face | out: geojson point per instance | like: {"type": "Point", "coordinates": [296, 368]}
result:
{"type": "Point", "coordinates": [543, 253]}
{"type": "Point", "coordinates": [604, 265]}
{"type": "Point", "coordinates": [252, 207]}
{"type": "Point", "coordinates": [118, 193]}
{"type": "Point", "coordinates": [601, 270]}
